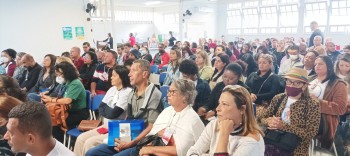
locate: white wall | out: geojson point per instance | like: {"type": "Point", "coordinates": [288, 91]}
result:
{"type": "Point", "coordinates": [35, 26]}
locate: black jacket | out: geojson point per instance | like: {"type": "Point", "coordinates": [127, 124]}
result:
{"type": "Point", "coordinates": [203, 93]}
{"type": "Point", "coordinates": [317, 32]}
{"type": "Point", "coordinates": [216, 93]}
{"type": "Point", "coordinates": [30, 77]}
{"type": "Point", "coordinates": [268, 90]}
{"type": "Point", "coordinates": [86, 74]}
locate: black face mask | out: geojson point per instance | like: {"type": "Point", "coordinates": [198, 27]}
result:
{"type": "Point", "coordinates": [255, 47]}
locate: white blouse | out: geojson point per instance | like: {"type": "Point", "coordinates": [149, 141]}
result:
{"type": "Point", "coordinates": [237, 146]}
{"type": "Point", "coordinates": [186, 126]}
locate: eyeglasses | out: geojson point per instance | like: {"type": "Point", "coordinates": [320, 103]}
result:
{"type": "Point", "coordinates": [172, 92]}
{"type": "Point", "coordinates": [294, 83]}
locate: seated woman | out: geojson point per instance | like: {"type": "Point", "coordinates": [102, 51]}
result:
{"type": "Point", "coordinates": [231, 76]}
{"type": "Point", "coordinates": [173, 72]}
{"type": "Point", "coordinates": [294, 112]}
{"type": "Point", "coordinates": [263, 83]}
{"type": "Point", "coordinates": [179, 122]}
{"type": "Point", "coordinates": [46, 78]}
{"type": "Point", "coordinates": [235, 131]}
{"type": "Point", "coordinates": [221, 61]}
{"type": "Point", "coordinates": [8, 57]}
{"type": "Point", "coordinates": [17, 74]}
{"type": "Point", "coordinates": [88, 69]}
{"type": "Point", "coordinates": [342, 70]}
{"type": "Point", "coordinates": [74, 96]}
{"type": "Point", "coordinates": [205, 70]}
{"type": "Point", "coordinates": [9, 86]}
{"type": "Point", "coordinates": [113, 106]}
{"type": "Point", "coordinates": [6, 104]}
{"type": "Point", "coordinates": [331, 92]}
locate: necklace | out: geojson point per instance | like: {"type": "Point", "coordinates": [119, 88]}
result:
{"type": "Point", "coordinates": [237, 131]}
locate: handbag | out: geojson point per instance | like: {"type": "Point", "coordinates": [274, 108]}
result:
{"type": "Point", "coordinates": [86, 125]}
{"type": "Point", "coordinates": [281, 139]}
{"type": "Point", "coordinates": [58, 114]}
{"type": "Point", "coordinates": [151, 140]}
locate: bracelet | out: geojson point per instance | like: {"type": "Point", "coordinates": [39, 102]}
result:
{"type": "Point", "coordinates": [221, 154]}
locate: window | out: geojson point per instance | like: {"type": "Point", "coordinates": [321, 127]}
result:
{"type": "Point", "coordinates": [340, 13]}
{"type": "Point", "coordinates": [269, 2]}
{"type": "Point", "coordinates": [288, 19]}
{"type": "Point", "coordinates": [251, 18]}
{"type": "Point", "coordinates": [171, 18]}
{"type": "Point", "coordinates": [133, 16]}
{"type": "Point", "coordinates": [234, 18]}
{"type": "Point", "coordinates": [251, 4]}
{"type": "Point", "coordinates": [269, 17]}
{"type": "Point", "coordinates": [288, 1]}
{"type": "Point", "coordinates": [315, 11]}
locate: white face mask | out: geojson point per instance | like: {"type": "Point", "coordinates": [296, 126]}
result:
{"type": "Point", "coordinates": [211, 50]}
{"type": "Point", "coordinates": [4, 59]}
{"type": "Point", "coordinates": [60, 80]}
{"type": "Point", "coordinates": [240, 45]}
{"type": "Point", "coordinates": [293, 57]}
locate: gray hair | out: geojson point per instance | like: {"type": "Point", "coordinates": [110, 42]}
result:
{"type": "Point", "coordinates": [318, 36]}
{"type": "Point", "coordinates": [144, 65]}
{"type": "Point", "coordinates": [187, 89]}
{"type": "Point", "coordinates": [21, 54]}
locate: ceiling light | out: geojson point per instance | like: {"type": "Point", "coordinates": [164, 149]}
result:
{"type": "Point", "coordinates": [152, 2]}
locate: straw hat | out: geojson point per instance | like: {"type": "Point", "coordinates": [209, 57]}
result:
{"type": "Point", "coordinates": [297, 74]}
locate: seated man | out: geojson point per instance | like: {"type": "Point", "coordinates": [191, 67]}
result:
{"type": "Point", "coordinates": [189, 70]}
{"type": "Point", "coordinates": [101, 80]}
{"type": "Point", "coordinates": [145, 97]}
{"type": "Point", "coordinates": [29, 131]}
{"type": "Point", "coordinates": [31, 73]}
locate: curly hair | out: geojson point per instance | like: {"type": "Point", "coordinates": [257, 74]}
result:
{"type": "Point", "coordinates": [189, 67]}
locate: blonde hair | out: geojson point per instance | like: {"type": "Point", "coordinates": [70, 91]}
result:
{"type": "Point", "coordinates": [242, 97]}
{"type": "Point", "coordinates": [267, 57]}
{"type": "Point", "coordinates": [205, 57]}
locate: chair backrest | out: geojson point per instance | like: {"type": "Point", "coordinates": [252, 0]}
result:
{"type": "Point", "coordinates": [164, 91]}
{"type": "Point", "coordinates": [88, 98]}
{"type": "Point", "coordinates": [96, 101]}
{"type": "Point", "coordinates": [164, 68]}
{"type": "Point", "coordinates": [154, 69]}
{"type": "Point", "coordinates": [162, 77]}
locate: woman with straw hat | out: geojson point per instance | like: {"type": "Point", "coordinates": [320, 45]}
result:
{"type": "Point", "coordinates": [293, 112]}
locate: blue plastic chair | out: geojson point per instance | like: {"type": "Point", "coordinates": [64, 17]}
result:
{"type": "Point", "coordinates": [162, 78]}
{"type": "Point", "coordinates": [154, 69]}
{"type": "Point", "coordinates": [96, 101]}
{"type": "Point", "coordinates": [164, 91]}
{"type": "Point", "coordinates": [164, 68]}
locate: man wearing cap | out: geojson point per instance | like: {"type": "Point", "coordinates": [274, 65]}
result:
{"type": "Point", "coordinates": [134, 54]}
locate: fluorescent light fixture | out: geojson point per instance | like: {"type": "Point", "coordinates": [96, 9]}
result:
{"type": "Point", "coordinates": [152, 2]}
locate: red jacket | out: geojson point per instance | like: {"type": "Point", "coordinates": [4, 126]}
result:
{"type": "Point", "coordinates": [132, 40]}
{"type": "Point", "coordinates": [11, 68]}
{"type": "Point", "coordinates": [165, 60]}
{"type": "Point", "coordinates": [78, 63]}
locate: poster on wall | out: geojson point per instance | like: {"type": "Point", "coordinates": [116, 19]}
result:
{"type": "Point", "coordinates": [79, 32]}
{"type": "Point", "coordinates": [67, 33]}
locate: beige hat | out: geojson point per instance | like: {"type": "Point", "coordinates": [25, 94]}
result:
{"type": "Point", "coordinates": [297, 74]}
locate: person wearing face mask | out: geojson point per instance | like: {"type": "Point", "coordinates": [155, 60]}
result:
{"type": "Point", "coordinates": [6, 104]}
{"type": "Point", "coordinates": [74, 96]}
{"type": "Point", "coordinates": [145, 54]}
{"type": "Point", "coordinates": [161, 58]}
{"type": "Point", "coordinates": [292, 112]}
{"type": "Point", "coordinates": [8, 57]}
{"type": "Point", "coordinates": [331, 92]}
{"type": "Point", "coordinates": [293, 60]}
